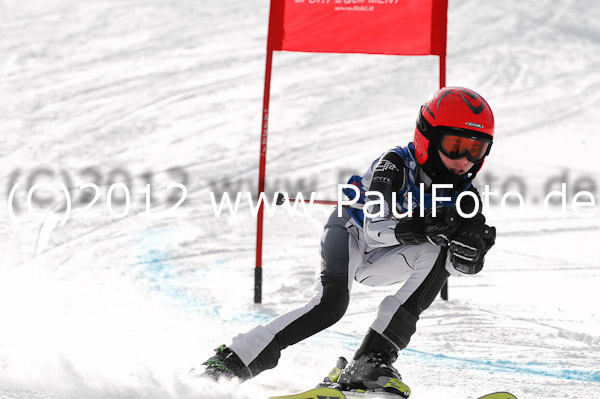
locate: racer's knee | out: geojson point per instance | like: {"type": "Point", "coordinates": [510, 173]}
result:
{"type": "Point", "coordinates": [334, 251]}
{"type": "Point", "coordinates": [334, 301]}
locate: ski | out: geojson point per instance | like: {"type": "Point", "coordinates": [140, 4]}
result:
{"type": "Point", "coordinates": [331, 393]}
{"type": "Point", "coordinates": [316, 393]}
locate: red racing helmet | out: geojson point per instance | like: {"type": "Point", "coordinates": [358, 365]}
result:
{"type": "Point", "coordinates": [456, 121]}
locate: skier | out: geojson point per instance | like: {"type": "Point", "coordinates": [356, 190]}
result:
{"type": "Point", "coordinates": [453, 135]}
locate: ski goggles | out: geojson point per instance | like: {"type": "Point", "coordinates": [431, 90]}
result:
{"type": "Point", "coordinates": [456, 145]}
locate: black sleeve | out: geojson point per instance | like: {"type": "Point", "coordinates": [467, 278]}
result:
{"type": "Point", "coordinates": [389, 176]}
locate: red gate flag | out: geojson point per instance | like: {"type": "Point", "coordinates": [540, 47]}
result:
{"type": "Point", "coordinates": [395, 27]}
{"type": "Point", "coordinates": [398, 27]}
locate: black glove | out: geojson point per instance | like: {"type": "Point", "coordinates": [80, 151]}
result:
{"type": "Point", "coordinates": [438, 229]}
{"type": "Point", "coordinates": [470, 243]}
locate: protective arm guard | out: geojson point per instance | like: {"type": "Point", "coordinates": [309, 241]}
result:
{"type": "Point", "coordinates": [384, 230]}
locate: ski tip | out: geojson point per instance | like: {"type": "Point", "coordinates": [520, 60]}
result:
{"type": "Point", "coordinates": [498, 395]}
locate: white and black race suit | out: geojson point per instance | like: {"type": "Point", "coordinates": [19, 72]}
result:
{"type": "Point", "coordinates": [368, 251]}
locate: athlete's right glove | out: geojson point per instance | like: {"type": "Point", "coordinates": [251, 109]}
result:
{"type": "Point", "coordinates": [470, 243]}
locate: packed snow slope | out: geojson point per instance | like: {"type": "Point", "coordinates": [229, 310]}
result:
{"type": "Point", "coordinates": [153, 92]}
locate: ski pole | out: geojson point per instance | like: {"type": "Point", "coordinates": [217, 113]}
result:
{"type": "Point", "coordinates": [281, 200]}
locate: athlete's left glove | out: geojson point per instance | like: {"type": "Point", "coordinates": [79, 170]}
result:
{"type": "Point", "coordinates": [470, 243]}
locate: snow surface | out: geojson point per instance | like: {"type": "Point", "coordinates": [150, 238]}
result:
{"type": "Point", "coordinates": [105, 307]}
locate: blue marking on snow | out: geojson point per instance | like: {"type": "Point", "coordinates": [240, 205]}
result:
{"type": "Point", "coordinates": [160, 276]}
{"type": "Point", "coordinates": [157, 272]}
{"type": "Point", "coordinates": [506, 366]}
